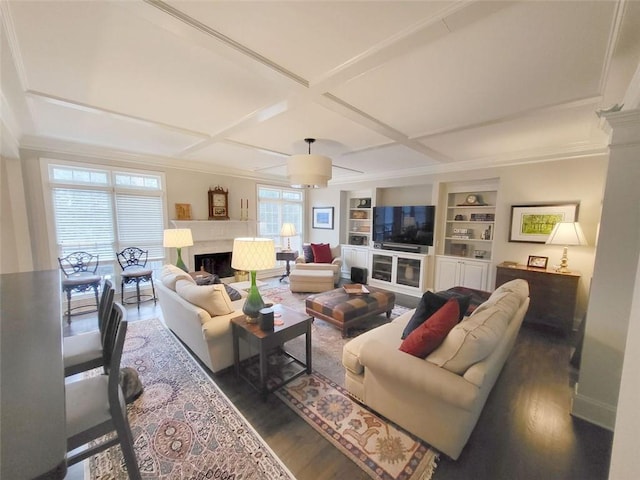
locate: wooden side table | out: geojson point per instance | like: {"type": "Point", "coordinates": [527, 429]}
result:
{"type": "Point", "coordinates": [287, 256]}
{"type": "Point", "coordinates": [553, 294]}
{"type": "Point", "coordinates": [295, 324]}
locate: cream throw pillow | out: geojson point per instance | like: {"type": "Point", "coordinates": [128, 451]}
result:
{"type": "Point", "coordinates": [170, 274]}
{"type": "Point", "coordinates": [471, 341]}
{"type": "Point", "coordinates": [212, 298]}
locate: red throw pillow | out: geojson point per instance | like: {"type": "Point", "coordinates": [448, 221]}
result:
{"type": "Point", "coordinates": [321, 253]}
{"type": "Point", "coordinates": [428, 336]}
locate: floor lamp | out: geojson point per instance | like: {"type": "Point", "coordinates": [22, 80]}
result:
{"type": "Point", "coordinates": [252, 254]}
{"type": "Point", "coordinates": [178, 238]}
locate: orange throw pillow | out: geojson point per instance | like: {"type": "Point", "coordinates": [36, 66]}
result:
{"type": "Point", "coordinates": [321, 253]}
{"type": "Point", "coordinates": [428, 336]}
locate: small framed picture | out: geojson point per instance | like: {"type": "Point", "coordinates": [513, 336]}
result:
{"type": "Point", "coordinates": [323, 217]}
{"type": "Point", "coordinates": [183, 211]}
{"type": "Point", "coordinates": [537, 262]}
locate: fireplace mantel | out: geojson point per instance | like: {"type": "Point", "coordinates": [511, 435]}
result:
{"type": "Point", "coordinates": [213, 236]}
{"type": "Point", "coordinates": [209, 230]}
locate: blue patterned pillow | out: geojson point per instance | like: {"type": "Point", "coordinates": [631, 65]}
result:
{"type": "Point", "coordinates": [308, 253]}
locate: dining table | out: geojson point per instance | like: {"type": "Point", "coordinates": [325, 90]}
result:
{"type": "Point", "coordinates": [32, 399]}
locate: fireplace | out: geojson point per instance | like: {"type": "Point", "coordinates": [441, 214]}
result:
{"type": "Point", "coordinates": [218, 263]}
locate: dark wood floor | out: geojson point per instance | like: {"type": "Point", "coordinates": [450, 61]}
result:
{"type": "Point", "coordinates": [524, 432]}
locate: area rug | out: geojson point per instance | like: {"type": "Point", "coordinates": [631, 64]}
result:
{"type": "Point", "coordinates": [183, 425]}
{"type": "Point", "coordinates": [327, 341]}
{"type": "Point", "coordinates": [381, 449]}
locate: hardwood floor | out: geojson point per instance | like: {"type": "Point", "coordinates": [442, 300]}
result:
{"type": "Point", "coordinates": [525, 430]}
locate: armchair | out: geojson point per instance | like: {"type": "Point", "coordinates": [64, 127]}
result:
{"type": "Point", "coordinates": [304, 262]}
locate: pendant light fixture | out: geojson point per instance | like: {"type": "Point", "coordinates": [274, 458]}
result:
{"type": "Point", "coordinates": [309, 171]}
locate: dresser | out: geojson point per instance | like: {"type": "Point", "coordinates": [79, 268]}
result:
{"type": "Point", "coordinates": [553, 294]}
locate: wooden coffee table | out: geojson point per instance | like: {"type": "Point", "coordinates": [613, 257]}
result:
{"type": "Point", "coordinates": [295, 324]}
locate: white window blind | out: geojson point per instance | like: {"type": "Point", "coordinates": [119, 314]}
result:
{"type": "Point", "coordinates": [84, 221]}
{"type": "Point", "coordinates": [140, 223]}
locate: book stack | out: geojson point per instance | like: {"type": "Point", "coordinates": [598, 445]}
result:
{"type": "Point", "coordinates": [482, 217]}
{"type": "Point", "coordinates": [462, 233]}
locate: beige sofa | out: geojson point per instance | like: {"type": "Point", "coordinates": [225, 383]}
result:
{"type": "Point", "coordinates": [440, 398]}
{"type": "Point", "coordinates": [334, 266]}
{"type": "Point", "coordinates": [207, 335]}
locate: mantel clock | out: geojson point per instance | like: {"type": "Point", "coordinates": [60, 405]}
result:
{"type": "Point", "coordinates": [218, 204]}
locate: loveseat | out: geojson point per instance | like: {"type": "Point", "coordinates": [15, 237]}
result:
{"type": "Point", "coordinates": [306, 260]}
{"type": "Point", "coordinates": [200, 316]}
{"type": "Point", "coordinates": [438, 398]}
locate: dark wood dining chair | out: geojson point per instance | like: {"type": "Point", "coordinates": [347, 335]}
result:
{"type": "Point", "coordinates": [88, 417]}
{"type": "Point", "coordinates": [85, 351]}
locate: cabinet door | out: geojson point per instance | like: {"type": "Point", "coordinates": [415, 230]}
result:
{"type": "Point", "coordinates": [473, 275]}
{"type": "Point", "coordinates": [446, 273]}
{"type": "Point", "coordinates": [361, 258]}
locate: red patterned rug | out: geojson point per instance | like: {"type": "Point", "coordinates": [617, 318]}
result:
{"type": "Point", "coordinates": [183, 425]}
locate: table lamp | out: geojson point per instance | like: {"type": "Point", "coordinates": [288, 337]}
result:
{"type": "Point", "coordinates": [566, 233]}
{"type": "Point", "coordinates": [178, 238]}
{"type": "Point", "coordinates": [252, 254]}
{"type": "Point", "coordinates": [288, 230]}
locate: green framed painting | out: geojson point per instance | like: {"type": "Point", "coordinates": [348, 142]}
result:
{"type": "Point", "coordinates": [533, 223]}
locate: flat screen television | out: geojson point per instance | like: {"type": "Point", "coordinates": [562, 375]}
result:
{"type": "Point", "coordinates": [409, 225]}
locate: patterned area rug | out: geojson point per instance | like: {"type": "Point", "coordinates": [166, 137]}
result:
{"type": "Point", "coordinates": [381, 449]}
{"type": "Point", "coordinates": [183, 425]}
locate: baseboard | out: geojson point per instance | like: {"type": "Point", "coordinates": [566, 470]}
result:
{"type": "Point", "coordinates": [594, 411]}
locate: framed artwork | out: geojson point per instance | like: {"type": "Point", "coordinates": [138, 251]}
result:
{"type": "Point", "coordinates": [537, 262]}
{"type": "Point", "coordinates": [183, 211]}
{"type": "Point", "coordinates": [533, 223]}
{"type": "Point", "coordinates": [323, 217]}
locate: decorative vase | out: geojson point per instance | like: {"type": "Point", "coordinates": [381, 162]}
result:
{"type": "Point", "coordinates": [254, 303]}
{"type": "Point", "coordinates": [408, 272]}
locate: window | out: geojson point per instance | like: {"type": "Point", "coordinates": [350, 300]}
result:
{"type": "Point", "coordinates": [277, 206]}
{"type": "Point", "coordinates": [103, 210]}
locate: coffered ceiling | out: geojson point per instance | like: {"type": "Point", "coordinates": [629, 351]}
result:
{"type": "Point", "coordinates": [389, 89]}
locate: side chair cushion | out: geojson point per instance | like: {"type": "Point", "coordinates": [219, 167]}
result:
{"type": "Point", "coordinates": [83, 348]}
{"type": "Point", "coordinates": [87, 404]}
{"type": "Point", "coordinates": [212, 298]}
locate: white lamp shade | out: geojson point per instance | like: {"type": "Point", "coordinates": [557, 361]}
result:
{"type": "Point", "coordinates": [309, 171]}
{"type": "Point", "coordinates": [288, 230]}
{"type": "Point", "coordinates": [177, 237]}
{"type": "Point", "coordinates": [250, 254]}
{"type": "Point", "coordinates": [567, 233]}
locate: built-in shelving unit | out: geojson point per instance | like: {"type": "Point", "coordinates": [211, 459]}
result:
{"type": "Point", "coordinates": [469, 226]}
{"type": "Point", "coordinates": [360, 220]}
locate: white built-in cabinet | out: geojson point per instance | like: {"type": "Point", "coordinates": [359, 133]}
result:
{"type": "Point", "coordinates": [398, 271]}
{"type": "Point", "coordinates": [465, 241]}
{"type": "Point", "coordinates": [353, 256]}
{"type": "Point", "coordinates": [359, 218]}
{"type": "Point", "coordinates": [456, 271]}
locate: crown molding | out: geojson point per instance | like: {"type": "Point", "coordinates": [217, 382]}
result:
{"type": "Point", "coordinates": [64, 147]}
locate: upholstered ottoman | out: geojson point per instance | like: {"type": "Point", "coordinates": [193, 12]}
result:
{"type": "Point", "coordinates": [311, 280]}
{"type": "Point", "coordinates": [345, 310]}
